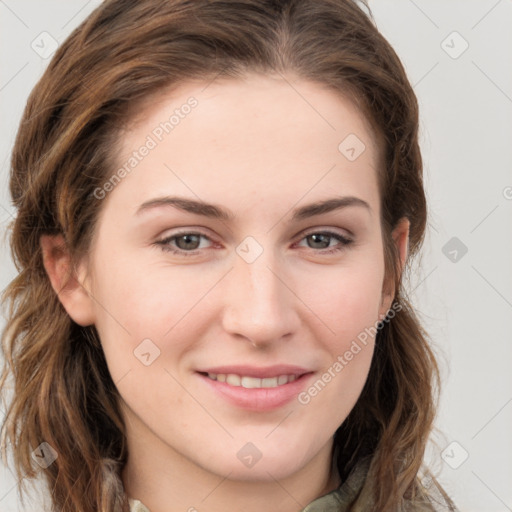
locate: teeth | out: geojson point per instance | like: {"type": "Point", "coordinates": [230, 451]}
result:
{"type": "Point", "coordinates": [233, 380]}
{"type": "Point", "coordinates": [272, 382]}
{"type": "Point", "coordinates": [252, 382]}
{"type": "Point", "coordinates": [283, 379]}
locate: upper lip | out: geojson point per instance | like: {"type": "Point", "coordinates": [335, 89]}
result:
{"type": "Point", "coordinates": [258, 372]}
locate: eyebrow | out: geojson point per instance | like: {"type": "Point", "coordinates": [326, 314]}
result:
{"type": "Point", "coordinates": [218, 212]}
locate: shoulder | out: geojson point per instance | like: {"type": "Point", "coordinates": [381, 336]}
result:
{"type": "Point", "coordinates": [137, 506]}
{"type": "Point", "coordinates": [433, 497]}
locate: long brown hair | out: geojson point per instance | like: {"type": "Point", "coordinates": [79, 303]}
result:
{"type": "Point", "coordinates": [123, 52]}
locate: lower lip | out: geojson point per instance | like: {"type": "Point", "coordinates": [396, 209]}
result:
{"type": "Point", "coordinates": [258, 399]}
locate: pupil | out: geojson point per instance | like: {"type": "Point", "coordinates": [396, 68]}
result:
{"type": "Point", "coordinates": [317, 239]}
{"type": "Point", "coordinates": [188, 239]}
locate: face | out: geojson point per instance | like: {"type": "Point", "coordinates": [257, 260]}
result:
{"type": "Point", "coordinates": [231, 283]}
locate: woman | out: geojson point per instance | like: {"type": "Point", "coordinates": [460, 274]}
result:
{"type": "Point", "coordinates": [216, 204]}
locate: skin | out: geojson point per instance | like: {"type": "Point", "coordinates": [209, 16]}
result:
{"type": "Point", "coordinates": [256, 147]}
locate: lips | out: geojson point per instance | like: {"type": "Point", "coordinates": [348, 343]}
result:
{"type": "Point", "coordinates": [256, 388]}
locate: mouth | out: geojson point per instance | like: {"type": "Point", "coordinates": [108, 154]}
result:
{"type": "Point", "coordinates": [256, 389]}
{"type": "Point", "coordinates": [245, 381]}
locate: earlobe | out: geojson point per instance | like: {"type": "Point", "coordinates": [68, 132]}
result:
{"type": "Point", "coordinates": [66, 280]}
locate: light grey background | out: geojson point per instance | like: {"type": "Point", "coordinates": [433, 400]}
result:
{"type": "Point", "coordinates": [466, 109]}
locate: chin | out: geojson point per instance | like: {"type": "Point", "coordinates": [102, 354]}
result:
{"type": "Point", "coordinates": [248, 463]}
{"type": "Point", "coordinates": [260, 472]}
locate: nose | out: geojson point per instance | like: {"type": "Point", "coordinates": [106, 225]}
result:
{"type": "Point", "coordinates": [260, 305]}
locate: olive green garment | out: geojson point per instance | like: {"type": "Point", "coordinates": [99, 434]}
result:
{"type": "Point", "coordinates": [354, 495]}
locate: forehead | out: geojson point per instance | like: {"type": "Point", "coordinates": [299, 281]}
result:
{"type": "Point", "coordinates": [259, 137]}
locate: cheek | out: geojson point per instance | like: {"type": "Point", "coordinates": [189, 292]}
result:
{"type": "Point", "coordinates": [145, 298]}
{"type": "Point", "coordinates": [347, 300]}
{"type": "Point", "coordinates": [349, 352]}
{"type": "Point", "coordinates": [160, 304]}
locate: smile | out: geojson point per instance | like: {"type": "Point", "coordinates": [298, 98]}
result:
{"type": "Point", "coordinates": [269, 390]}
{"type": "Point", "coordinates": [251, 382]}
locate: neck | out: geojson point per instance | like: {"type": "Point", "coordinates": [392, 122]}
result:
{"type": "Point", "coordinates": [165, 481]}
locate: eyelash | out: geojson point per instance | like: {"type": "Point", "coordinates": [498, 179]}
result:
{"type": "Point", "coordinates": [164, 243]}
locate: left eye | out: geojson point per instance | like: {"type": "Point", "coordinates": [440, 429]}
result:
{"type": "Point", "coordinates": [185, 242]}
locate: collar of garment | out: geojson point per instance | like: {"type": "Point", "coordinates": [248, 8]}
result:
{"type": "Point", "coordinates": [335, 501]}
{"type": "Point", "coordinates": [355, 495]}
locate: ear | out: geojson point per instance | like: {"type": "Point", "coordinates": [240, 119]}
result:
{"type": "Point", "coordinates": [68, 282]}
{"type": "Point", "coordinates": [401, 238]}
